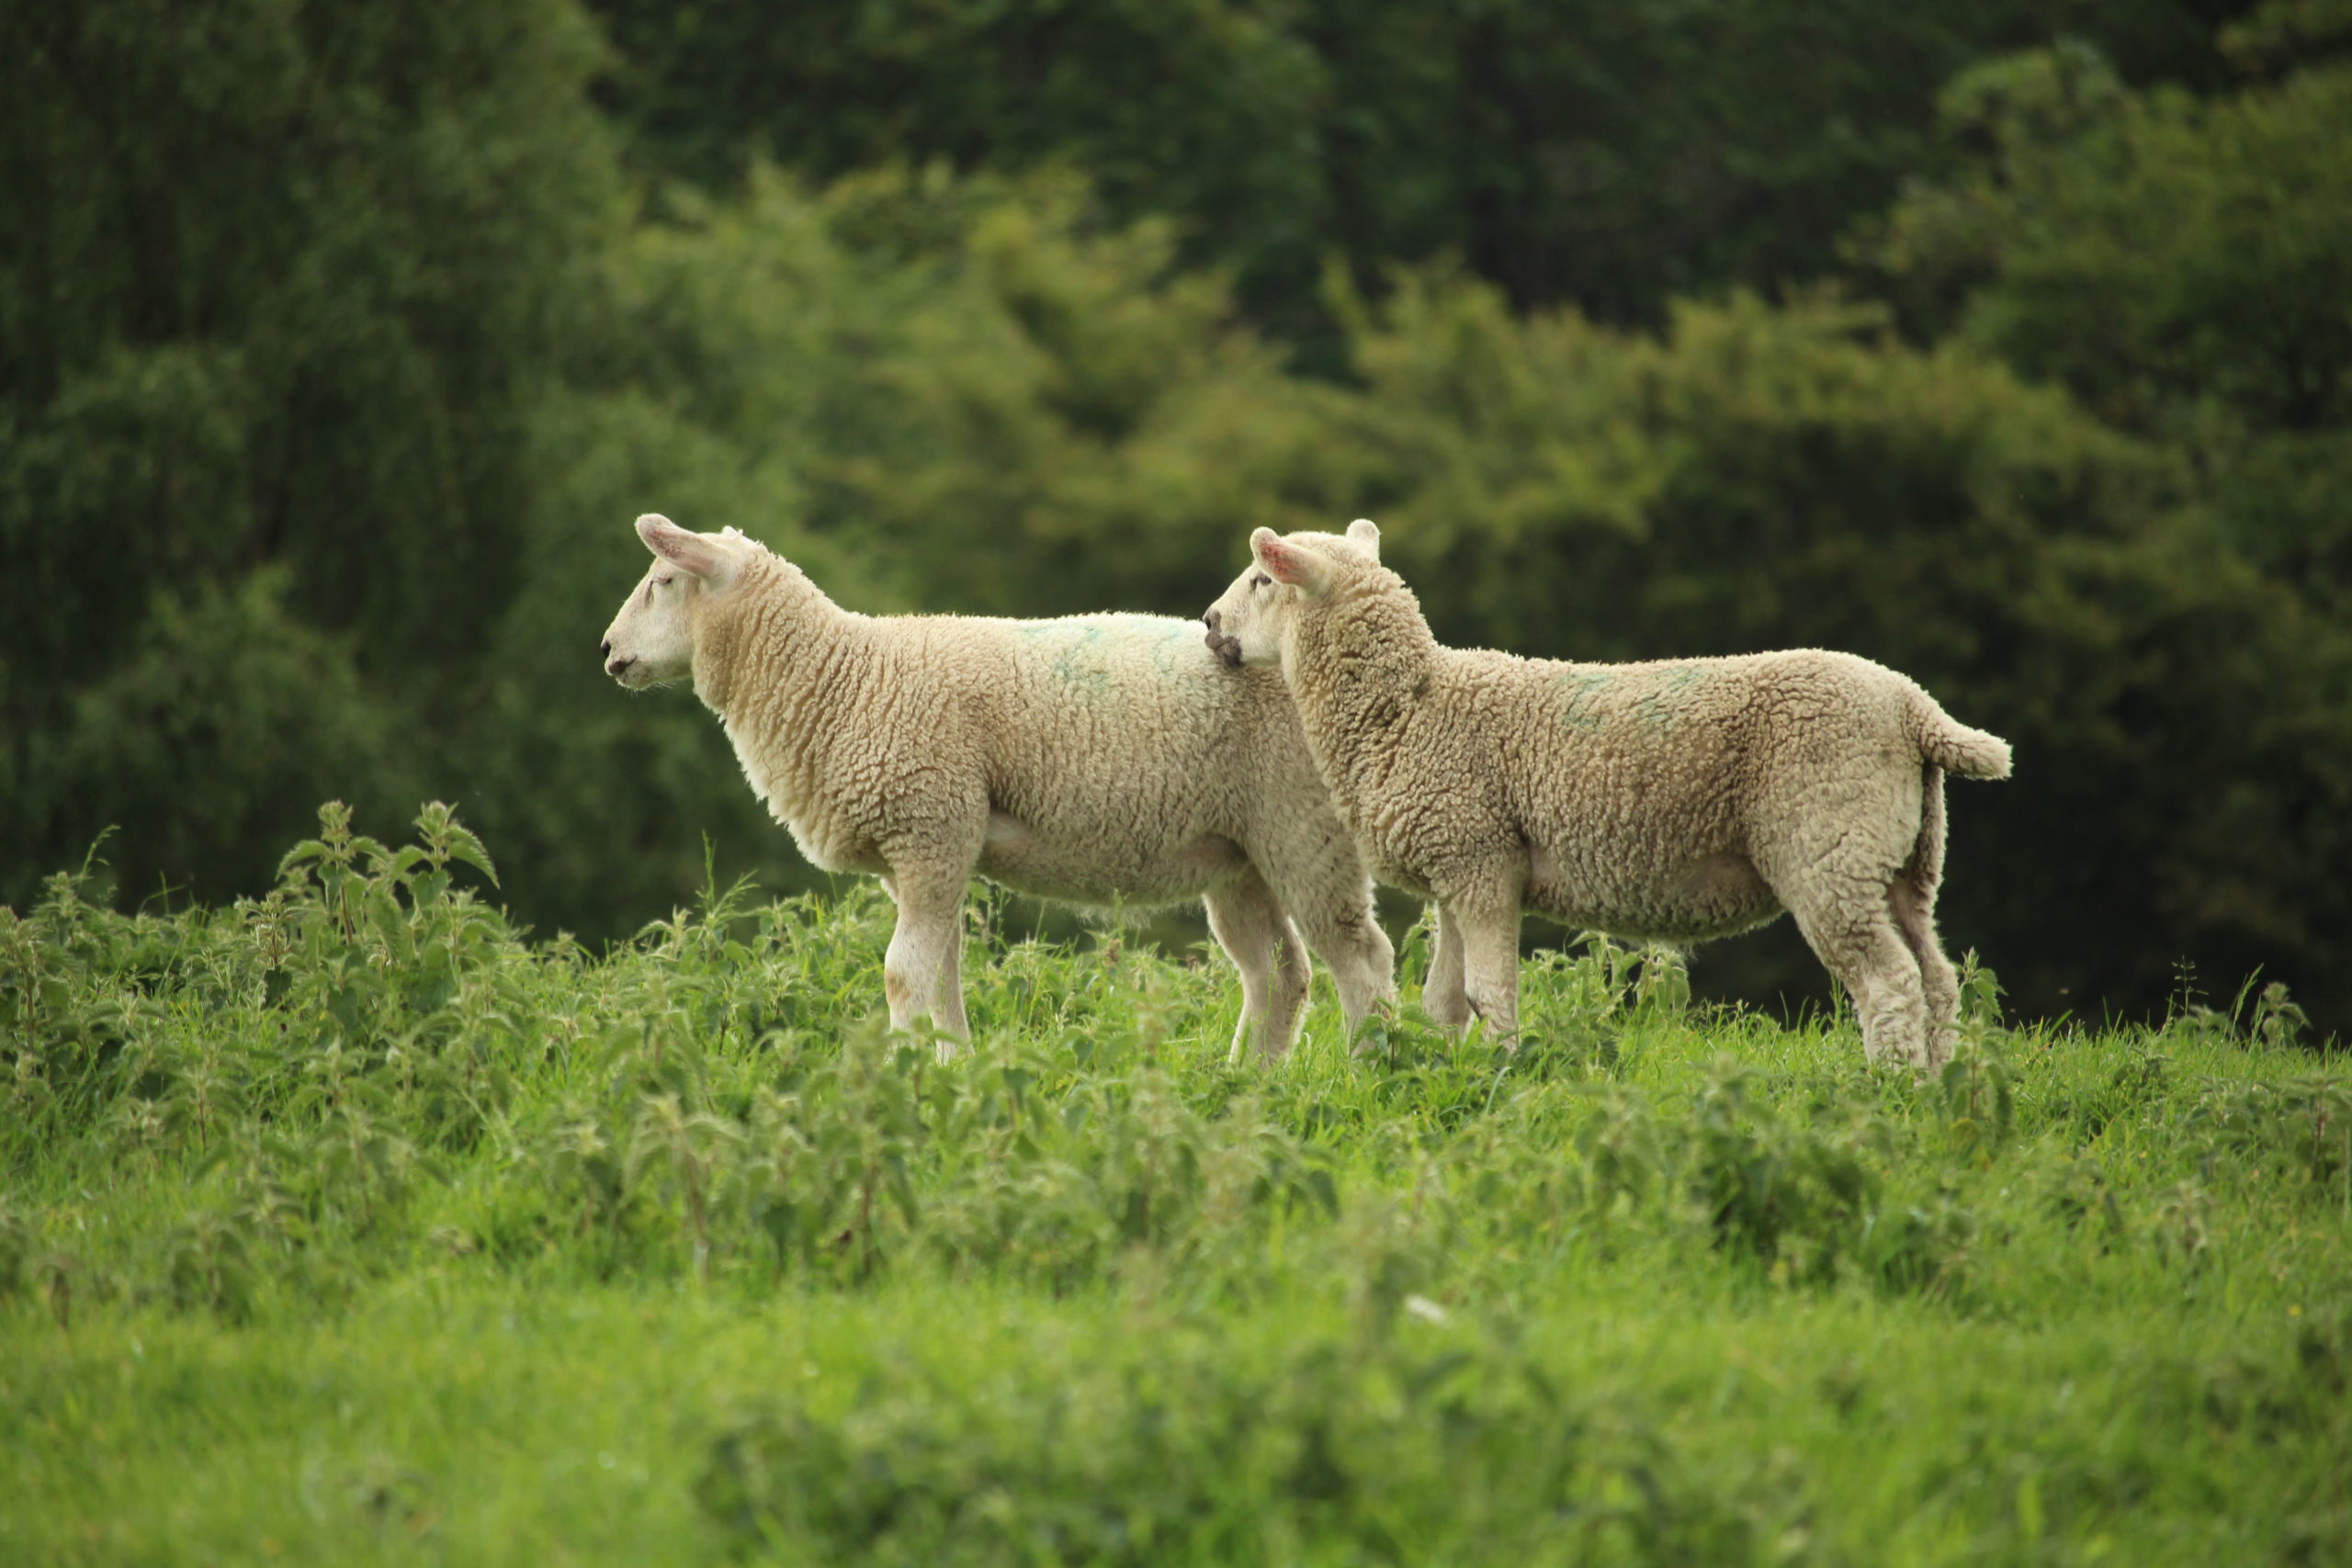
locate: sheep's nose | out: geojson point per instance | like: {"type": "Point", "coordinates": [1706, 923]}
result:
{"type": "Point", "coordinates": [1211, 619]}
{"type": "Point", "coordinates": [605, 648]}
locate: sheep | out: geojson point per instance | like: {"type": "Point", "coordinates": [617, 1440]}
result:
{"type": "Point", "coordinates": [1098, 760]}
{"type": "Point", "coordinates": [1673, 801]}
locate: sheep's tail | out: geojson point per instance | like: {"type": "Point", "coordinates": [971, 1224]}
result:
{"type": "Point", "coordinates": [1951, 745]}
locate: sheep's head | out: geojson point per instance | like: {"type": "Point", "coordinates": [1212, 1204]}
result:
{"type": "Point", "coordinates": [650, 642]}
{"type": "Point", "coordinates": [1246, 624]}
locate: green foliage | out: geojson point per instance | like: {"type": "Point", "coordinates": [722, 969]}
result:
{"type": "Point", "coordinates": [349, 1170]}
{"type": "Point", "coordinates": [2179, 265]}
{"type": "Point", "coordinates": [355, 1223]}
{"type": "Point", "coordinates": [2161, 254]}
{"type": "Point", "coordinates": [280, 292]}
{"type": "Point", "coordinates": [2299, 1132]}
{"type": "Point", "coordinates": [707, 1099]}
{"type": "Point", "coordinates": [317, 476]}
{"type": "Point", "coordinates": [1027, 416]}
{"type": "Point", "coordinates": [1007, 391]}
{"type": "Point", "coordinates": [298, 271]}
{"type": "Point", "coordinates": [1798, 476]}
{"type": "Point", "coordinates": [1611, 160]}
{"type": "Point", "coordinates": [1172, 1452]}
{"type": "Point", "coordinates": [1765, 1185]}
{"type": "Point", "coordinates": [233, 709]}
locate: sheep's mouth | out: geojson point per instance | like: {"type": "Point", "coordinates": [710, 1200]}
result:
{"type": "Point", "coordinates": [636, 676]}
{"type": "Point", "coordinates": [1228, 649]}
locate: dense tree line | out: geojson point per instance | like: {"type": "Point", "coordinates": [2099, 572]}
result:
{"type": "Point", "coordinates": [1605, 156]}
{"type": "Point", "coordinates": [2008, 347]}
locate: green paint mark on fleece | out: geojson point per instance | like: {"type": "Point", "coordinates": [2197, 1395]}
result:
{"type": "Point", "coordinates": [1582, 689]}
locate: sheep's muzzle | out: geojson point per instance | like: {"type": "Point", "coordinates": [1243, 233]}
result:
{"type": "Point", "coordinates": [1225, 647]}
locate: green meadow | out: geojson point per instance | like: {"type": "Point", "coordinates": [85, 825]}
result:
{"type": "Point", "coordinates": [354, 1225]}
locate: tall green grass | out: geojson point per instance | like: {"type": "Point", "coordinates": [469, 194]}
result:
{"type": "Point", "coordinates": [347, 1224]}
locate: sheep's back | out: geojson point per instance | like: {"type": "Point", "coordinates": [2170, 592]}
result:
{"type": "Point", "coordinates": [1628, 770]}
{"type": "Point", "coordinates": [1122, 728]}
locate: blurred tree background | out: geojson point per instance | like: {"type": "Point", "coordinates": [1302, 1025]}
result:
{"type": "Point", "coordinates": [2008, 344]}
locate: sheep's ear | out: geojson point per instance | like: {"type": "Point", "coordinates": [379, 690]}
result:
{"type": "Point", "coordinates": [1366, 533]}
{"type": "Point", "coordinates": [1288, 563]}
{"type": "Point", "coordinates": [700, 554]}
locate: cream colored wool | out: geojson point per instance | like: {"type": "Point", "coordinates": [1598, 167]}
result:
{"type": "Point", "coordinates": [1098, 760]}
{"type": "Point", "coordinates": [1672, 801]}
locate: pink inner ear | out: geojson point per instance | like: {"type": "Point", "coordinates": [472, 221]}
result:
{"type": "Point", "coordinates": [687, 550]}
{"type": "Point", "coordinates": [1284, 563]}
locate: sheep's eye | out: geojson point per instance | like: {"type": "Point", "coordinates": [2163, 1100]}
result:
{"type": "Point", "coordinates": [662, 582]}
{"type": "Point", "coordinates": [1259, 581]}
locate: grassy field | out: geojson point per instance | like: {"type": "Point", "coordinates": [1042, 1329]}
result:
{"type": "Point", "coordinates": [347, 1225]}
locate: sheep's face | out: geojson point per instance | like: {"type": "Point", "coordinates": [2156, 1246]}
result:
{"type": "Point", "coordinates": [651, 641]}
{"type": "Point", "coordinates": [1246, 623]}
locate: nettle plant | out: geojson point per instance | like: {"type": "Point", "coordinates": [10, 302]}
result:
{"type": "Point", "coordinates": [392, 911]}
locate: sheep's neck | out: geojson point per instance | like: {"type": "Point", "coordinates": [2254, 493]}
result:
{"type": "Point", "coordinates": [1371, 660]}
{"type": "Point", "coordinates": [767, 634]}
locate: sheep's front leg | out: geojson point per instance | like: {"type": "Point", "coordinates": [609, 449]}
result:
{"type": "Point", "coordinates": [923, 969]}
{"type": "Point", "coordinates": [1487, 927]}
{"type": "Point", "coordinates": [1442, 997]}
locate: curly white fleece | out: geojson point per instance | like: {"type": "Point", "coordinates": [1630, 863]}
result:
{"type": "Point", "coordinates": [1676, 800]}
{"type": "Point", "coordinates": [1096, 759]}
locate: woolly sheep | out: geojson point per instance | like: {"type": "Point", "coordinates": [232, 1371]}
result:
{"type": "Point", "coordinates": [1673, 801]}
{"type": "Point", "coordinates": [1096, 759]}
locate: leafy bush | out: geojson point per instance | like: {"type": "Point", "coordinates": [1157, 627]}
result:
{"type": "Point", "coordinates": [1175, 1453]}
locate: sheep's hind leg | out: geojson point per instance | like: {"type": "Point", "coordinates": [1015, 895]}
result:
{"type": "Point", "coordinates": [1861, 945]}
{"type": "Point", "coordinates": [1363, 963]}
{"type": "Point", "coordinates": [1912, 899]}
{"type": "Point", "coordinates": [922, 968]}
{"type": "Point", "coordinates": [1248, 923]}
{"type": "Point", "coordinates": [1323, 887]}
{"type": "Point", "coordinates": [1938, 982]}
